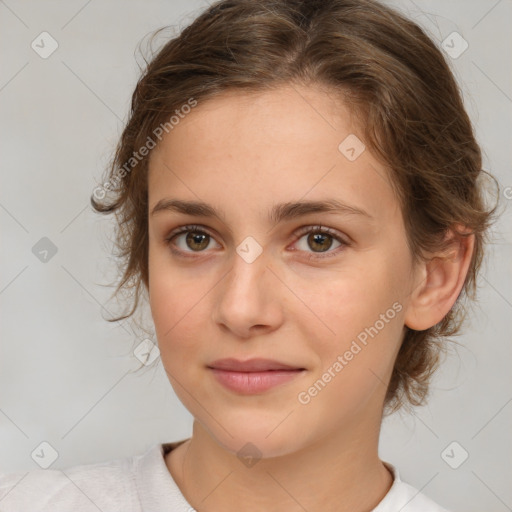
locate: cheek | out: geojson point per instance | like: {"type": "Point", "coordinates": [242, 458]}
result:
{"type": "Point", "coordinates": [362, 313]}
{"type": "Point", "coordinates": [356, 360]}
{"type": "Point", "coordinates": [358, 294]}
{"type": "Point", "coordinates": [172, 308]}
{"type": "Point", "coordinates": [171, 298]}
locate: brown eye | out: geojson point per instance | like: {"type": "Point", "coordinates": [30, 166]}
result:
{"type": "Point", "coordinates": [197, 240]}
{"type": "Point", "coordinates": [320, 242]}
{"type": "Point", "coordinates": [189, 239]}
{"type": "Point", "coordinates": [316, 240]}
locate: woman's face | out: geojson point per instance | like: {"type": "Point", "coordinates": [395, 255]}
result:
{"type": "Point", "coordinates": [255, 281]}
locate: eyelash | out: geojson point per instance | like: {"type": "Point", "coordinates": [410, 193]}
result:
{"type": "Point", "coordinates": [303, 231]}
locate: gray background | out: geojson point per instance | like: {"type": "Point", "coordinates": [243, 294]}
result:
{"type": "Point", "coordinates": [66, 375]}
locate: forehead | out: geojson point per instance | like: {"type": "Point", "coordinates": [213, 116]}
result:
{"type": "Point", "coordinates": [250, 150]}
{"type": "Point", "coordinates": [291, 114]}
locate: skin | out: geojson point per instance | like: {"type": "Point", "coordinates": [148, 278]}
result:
{"type": "Point", "coordinates": [242, 153]}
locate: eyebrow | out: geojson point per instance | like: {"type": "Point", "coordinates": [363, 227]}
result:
{"type": "Point", "coordinates": [278, 213]}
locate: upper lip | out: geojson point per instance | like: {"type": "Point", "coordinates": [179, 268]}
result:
{"type": "Point", "coordinates": [251, 365]}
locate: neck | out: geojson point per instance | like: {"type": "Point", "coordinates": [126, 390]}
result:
{"type": "Point", "coordinates": [340, 472]}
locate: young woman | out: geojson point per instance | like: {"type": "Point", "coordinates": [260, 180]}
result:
{"type": "Point", "coordinates": [298, 196]}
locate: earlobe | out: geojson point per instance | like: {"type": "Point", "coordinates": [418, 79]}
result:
{"type": "Point", "coordinates": [439, 282]}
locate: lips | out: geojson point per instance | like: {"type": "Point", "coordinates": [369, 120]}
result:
{"type": "Point", "coordinates": [251, 365]}
{"type": "Point", "coordinates": [254, 376]}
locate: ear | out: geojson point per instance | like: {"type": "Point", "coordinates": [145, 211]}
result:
{"type": "Point", "coordinates": [439, 281]}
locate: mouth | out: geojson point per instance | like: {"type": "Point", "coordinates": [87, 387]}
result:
{"type": "Point", "coordinates": [255, 376]}
{"type": "Point", "coordinates": [252, 365]}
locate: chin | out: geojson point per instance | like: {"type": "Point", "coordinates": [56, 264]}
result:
{"type": "Point", "coordinates": [252, 439]}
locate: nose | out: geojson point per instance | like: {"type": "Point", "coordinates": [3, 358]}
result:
{"type": "Point", "coordinates": [247, 301]}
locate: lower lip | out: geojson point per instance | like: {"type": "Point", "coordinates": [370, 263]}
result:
{"type": "Point", "coordinates": [254, 382]}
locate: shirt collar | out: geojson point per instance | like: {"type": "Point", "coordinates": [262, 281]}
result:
{"type": "Point", "coordinates": [158, 492]}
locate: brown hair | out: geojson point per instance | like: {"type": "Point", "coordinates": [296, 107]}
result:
{"type": "Point", "coordinates": [393, 78]}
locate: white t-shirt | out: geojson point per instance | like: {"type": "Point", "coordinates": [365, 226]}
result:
{"type": "Point", "coordinates": [141, 483]}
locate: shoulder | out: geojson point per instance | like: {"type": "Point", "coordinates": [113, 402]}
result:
{"type": "Point", "coordinates": [406, 498]}
{"type": "Point", "coordinates": [81, 488]}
